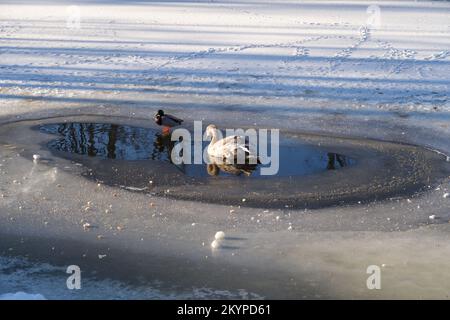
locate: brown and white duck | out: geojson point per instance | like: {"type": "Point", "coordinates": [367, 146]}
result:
{"type": "Point", "coordinates": [227, 149]}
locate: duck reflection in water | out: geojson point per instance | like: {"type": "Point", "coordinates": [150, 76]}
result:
{"type": "Point", "coordinates": [334, 158]}
{"type": "Point", "coordinates": [214, 169]}
{"type": "Point", "coordinates": [162, 144]}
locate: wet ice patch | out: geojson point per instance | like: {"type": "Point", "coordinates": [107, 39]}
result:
{"type": "Point", "coordinates": [21, 296]}
{"type": "Point", "coordinates": [23, 279]}
{"type": "Point", "coordinates": [132, 143]}
{"type": "Point", "coordinates": [315, 170]}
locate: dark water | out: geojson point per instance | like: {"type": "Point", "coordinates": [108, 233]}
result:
{"type": "Point", "coordinates": [122, 142]}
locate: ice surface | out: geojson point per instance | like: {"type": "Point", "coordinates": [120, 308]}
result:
{"type": "Point", "coordinates": [22, 274]}
{"type": "Point", "coordinates": [21, 296]}
{"type": "Point", "coordinates": [309, 65]}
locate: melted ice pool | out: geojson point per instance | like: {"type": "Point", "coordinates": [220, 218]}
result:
{"type": "Point", "coordinates": [124, 142]}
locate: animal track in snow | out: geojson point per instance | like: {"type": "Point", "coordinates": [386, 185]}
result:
{"type": "Point", "coordinates": [237, 48]}
{"type": "Point", "coordinates": [301, 52]}
{"type": "Point", "coordinates": [438, 56]}
{"type": "Point", "coordinates": [393, 53]}
{"type": "Point", "coordinates": [339, 57]}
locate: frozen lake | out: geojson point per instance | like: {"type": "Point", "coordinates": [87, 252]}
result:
{"type": "Point", "coordinates": [375, 74]}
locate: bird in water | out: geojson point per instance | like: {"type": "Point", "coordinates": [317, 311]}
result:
{"type": "Point", "coordinates": [228, 149]}
{"type": "Point", "coordinates": [214, 169]}
{"type": "Point", "coordinates": [167, 121]}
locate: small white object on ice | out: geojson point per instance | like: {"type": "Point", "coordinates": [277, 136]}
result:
{"type": "Point", "coordinates": [446, 195]}
{"type": "Point", "coordinates": [290, 228]}
{"type": "Point", "coordinates": [36, 157]}
{"type": "Point", "coordinates": [101, 256]}
{"type": "Point", "coordinates": [432, 217]}
{"type": "Point", "coordinates": [215, 244]}
{"type": "Point", "coordinates": [86, 226]}
{"type": "Point", "coordinates": [243, 200]}
{"type": "Point", "coordinates": [219, 235]}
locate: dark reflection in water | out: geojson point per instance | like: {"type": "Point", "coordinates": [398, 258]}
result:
{"type": "Point", "coordinates": [121, 142]}
{"type": "Point", "coordinates": [214, 169]}
{"type": "Point", "coordinates": [334, 158]}
{"type": "Point", "coordinates": [109, 141]}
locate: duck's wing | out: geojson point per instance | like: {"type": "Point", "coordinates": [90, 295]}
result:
{"type": "Point", "coordinates": [170, 121]}
{"type": "Point", "coordinates": [242, 143]}
{"type": "Point", "coordinates": [229, 147]}
{"type": "Point", "coordinates": [175, 119]}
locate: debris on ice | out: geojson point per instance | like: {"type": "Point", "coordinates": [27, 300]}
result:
{"type": "Point", "coordinates": [219, 235]}
{"type": "Point", "coordinates": [215, 244]}
{"type": "Point", "coordinates": [87, 226]}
